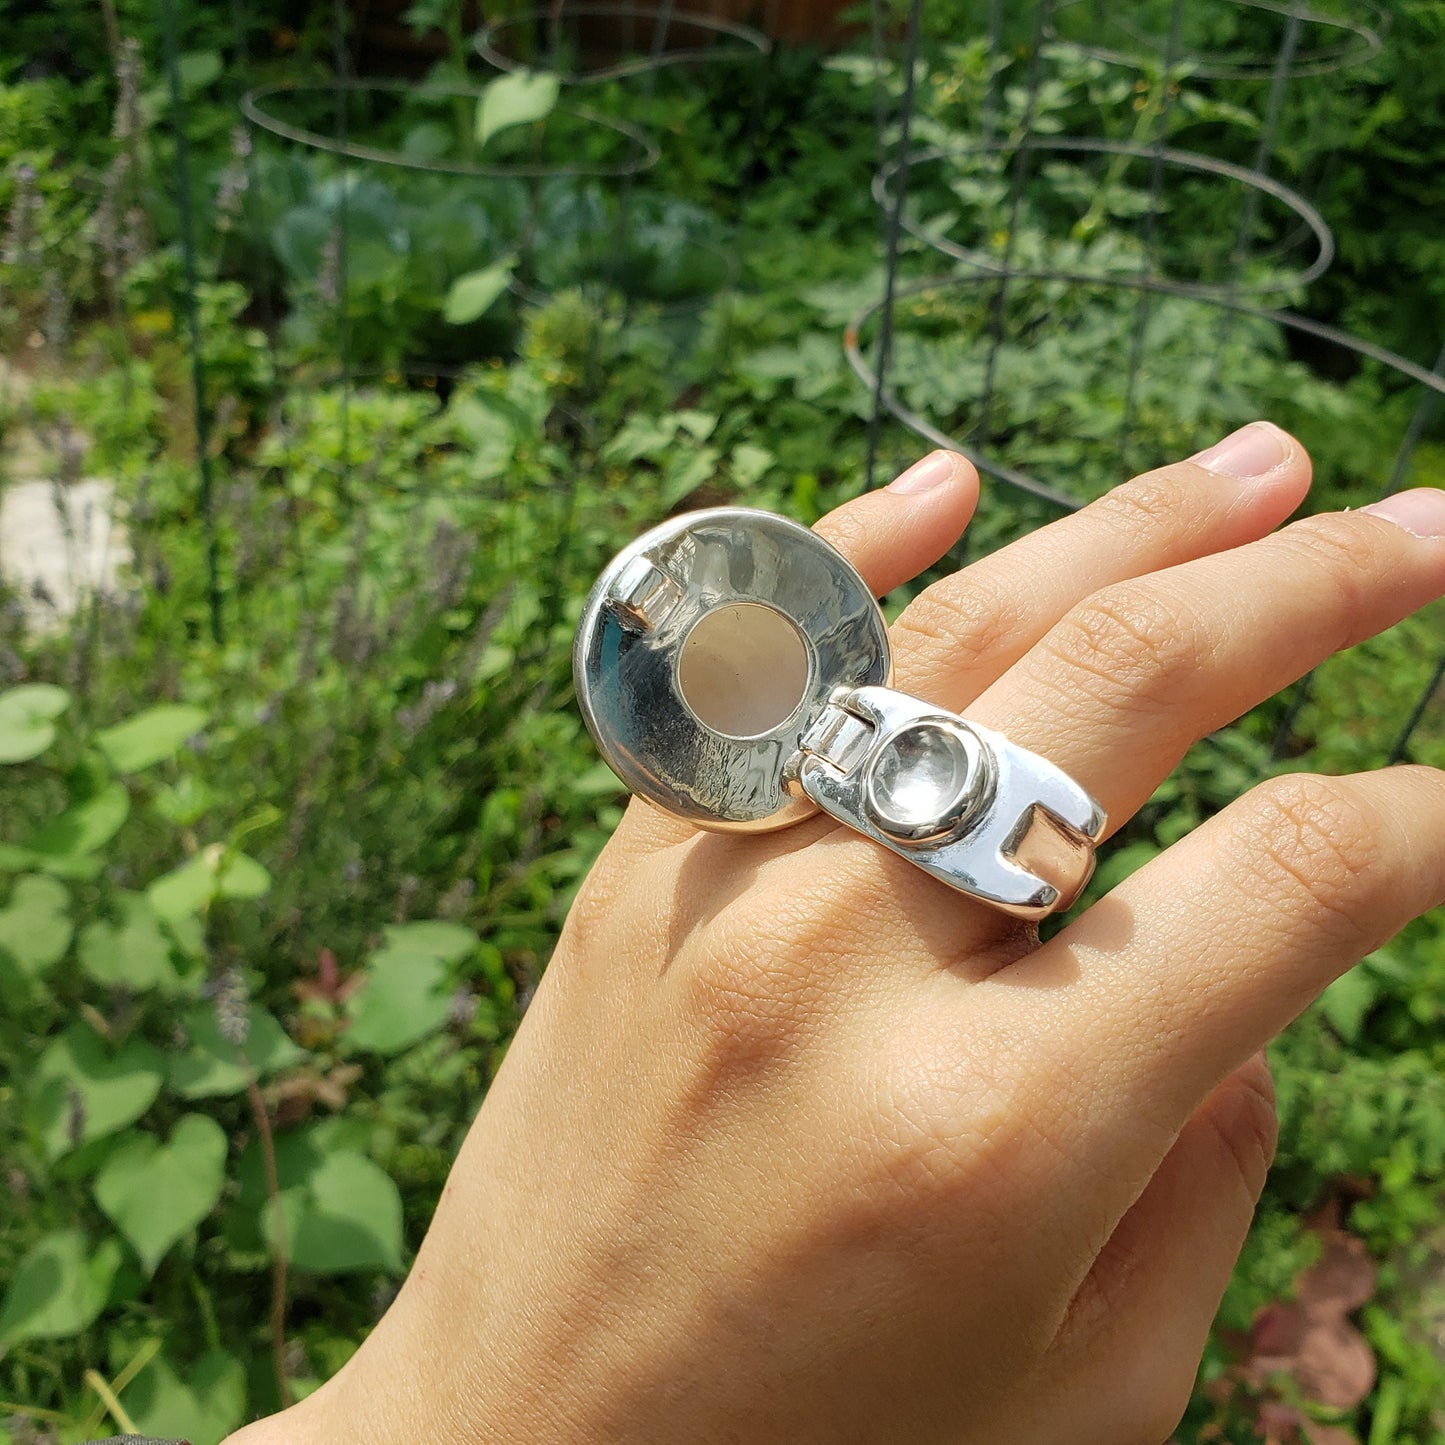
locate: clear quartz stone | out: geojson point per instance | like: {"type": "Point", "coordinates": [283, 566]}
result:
{"type": "Point", "coordinates": [920, 780]}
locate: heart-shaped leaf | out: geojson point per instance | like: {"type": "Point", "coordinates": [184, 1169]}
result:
{"type": "Point", "coordinates": [35, 926]}
{"type": "Point", "coordinates": [404, 994]}
{"type": "Point", "coordinates": [449, 942]}
{"type": "Point", "coordinates": [515, 99]}
{"type": "Point", "coordinates": [133, 953]}
{"type": "Point", "coordinates": [82, 1090]}
{"type": "Point", "coordinates": [346, 1217]}
{"type": "Point", "coordinates": [83, 827]}
{"type": "Point", "coordinates": [403, 999]}
{"type": "Point", "coordinates": [211, 1064]}
{"type": "Point", "coordinates": [27, 720]}
{"type": "Point", "coordinates": [157, 1193]}
{"type": "Point", "coordinates": [203, 1402]}
{"type": "Point", "coordinates": [58, 1288]}
{"type": "Point", "coordinates": [216, 872]}
{"type": "Point", "coordinates": [149, 737]}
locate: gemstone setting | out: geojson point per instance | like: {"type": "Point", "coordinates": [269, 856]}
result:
{"type": "Point", "coordinates": [927, 779]}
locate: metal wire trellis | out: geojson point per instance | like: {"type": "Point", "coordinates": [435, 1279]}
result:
{"type": "Point", "coordinates": [991, 271]}
{"type": "Point", "coordinates": [1277, 244]}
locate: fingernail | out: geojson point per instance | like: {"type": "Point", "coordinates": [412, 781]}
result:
{"type": "Point", "coordinates": [932, 471]}
{"type": "Point", "coordinates": [1252, 451]}
{"type": "Point", "coordinates": [1421, 511]}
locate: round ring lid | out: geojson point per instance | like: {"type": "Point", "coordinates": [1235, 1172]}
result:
{"type": "Point", "coordinates": [707, 648]}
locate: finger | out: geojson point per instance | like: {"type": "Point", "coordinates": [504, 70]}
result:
{"type": "Point", "coordinates": [965, 631]}
{"type": "Point", "coordinates": [890, 536]}
{"type": "Point", "coordinates": [1134, 675]}
{"type": "Point", "coordinates": [893, 534]}
{"type": "Point", "coordinates": [1197, 960]}
{"type": "Point", "coordinates": [1141, 1318]}
{"type": "Point", "coordinates": [1119, 690]}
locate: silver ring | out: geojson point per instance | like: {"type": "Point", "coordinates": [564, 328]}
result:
{"type": "Point", "coordinates": [732, 668]}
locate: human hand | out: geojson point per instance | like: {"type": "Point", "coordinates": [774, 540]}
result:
{"type": "Point", "coordinates": [797, 1145]}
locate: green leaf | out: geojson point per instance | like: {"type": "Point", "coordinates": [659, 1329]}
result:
{"type": "Point", "coordinates": [149, 737]}
{"type": "Point", "coordinates": [685, 474]}
{"type": "Point", "coordinates": [133, 953]}
{"type": "Point", "coordinates": [216, 872]}
{"type": "Point", "coordinates": [202, 1403]}
{"type": "Point", "coordinates": [403, 999]}
{"type": "Point", "coordinates": [155, 1193]}
{"type": "Point", "coordinates": [34, 926]}
{"type": "Point", "coordinates": [750, 463]}
{"type": "Point", "coordinates": [699, 425]}
{"type": "Point", "coordinates": [450, 942]}
{"type": "Point", "coordinates": [82, 1090]}
{"type": "Point", "coordinates": [346, 1217]}
{"type": "Point", "coordinates": [472, 295]}
{"type": "Point", "coordinates": [26, 720]}
{"type": "Point", "coordinates": [428, 141]}
{"type": "Point", "coordinates": [1348, 1000]}
{"type": "Point", "coordinates": [58, 1288]}
{"type": "Point", "coordinates": [84, 827]}
{"type": "Point", "coordinates": [211, 1065]}
{"type": "Point", "coordinates": [197, 69]}
{"type": "Point", "coordinates": [515, 99]}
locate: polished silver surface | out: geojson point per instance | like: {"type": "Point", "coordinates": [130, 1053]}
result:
{"type": "Point", "coordinates": [744, 616]}
{"type": "Point", "coordinates": [1007, 827]}
{"type": "Point", "coordinates": [731, 664]}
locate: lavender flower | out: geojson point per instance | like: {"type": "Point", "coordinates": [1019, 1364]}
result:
{"type": "Point", "coordinates": [19, 247]}
{"type": "Point", "coordinates": [230, 997]}
{"type": "Point", "coordinates": [129, 69]}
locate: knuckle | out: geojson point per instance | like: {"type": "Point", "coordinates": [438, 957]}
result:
{"type": "Point", "coordinates": [963, 611]}
{"type": "Point", "coordinates": [1330, 545]}
{"type": "Point", "coordinates": [754, 982]}
{"type": "Point", "coordinates": [936, 1135]}
{"type": "Point", "coordinates": [1164, 1401]}
{"type": "Point", "coordinates": [1149, 1387]}
{"type": "Point", "coordinates": [1130, 647]}
{"type": "Point", "coordinates": [1149, 502]}
{"type": "Point", "coordinates": [1310, 843]}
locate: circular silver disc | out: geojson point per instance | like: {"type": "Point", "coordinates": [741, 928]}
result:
{"type": "Point", "coordinates": [705, 651]}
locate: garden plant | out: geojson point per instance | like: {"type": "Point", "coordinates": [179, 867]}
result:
{"type": "Point", "coordinates": [293, 791]}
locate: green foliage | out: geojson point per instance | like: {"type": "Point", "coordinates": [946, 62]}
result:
{"type": "Point", "coordinates": [27, 725]}
{"type": "Point", "coordinates": [474, 294]}
{"type": "Point", "coordinates": [270, 901]}
{"type": "Point", "coordinates": [155, 1193]}
{"type": "Point", "coordinates": [516, 99]}
{"type": "Point", "coordinates": [149, 738]}
{"type": "Point", "coordinates": [58, 1288]}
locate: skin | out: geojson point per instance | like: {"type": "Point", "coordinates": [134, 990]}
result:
{"type": "Point", "coordinates": [795, 1144]}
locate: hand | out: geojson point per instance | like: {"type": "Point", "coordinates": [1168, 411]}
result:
{"type": "Point", "coordinates": [796, 1145]}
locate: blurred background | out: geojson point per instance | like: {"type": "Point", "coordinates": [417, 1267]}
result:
{"type": "Point", "coordinates": [341, 343]}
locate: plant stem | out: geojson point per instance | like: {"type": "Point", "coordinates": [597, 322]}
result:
{"type": "Point", "coordinates": [96, 1381]}
{"type": "Point", "coordinates": [278, 1260]}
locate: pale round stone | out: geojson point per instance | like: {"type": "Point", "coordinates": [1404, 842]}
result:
{"type": "Point", "coordinates": [743, 669]}
{"type": "Point", "coordinates": [921, 780]}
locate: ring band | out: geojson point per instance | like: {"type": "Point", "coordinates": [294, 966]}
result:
{"type": "Point", "coordinates": [732, 667]}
